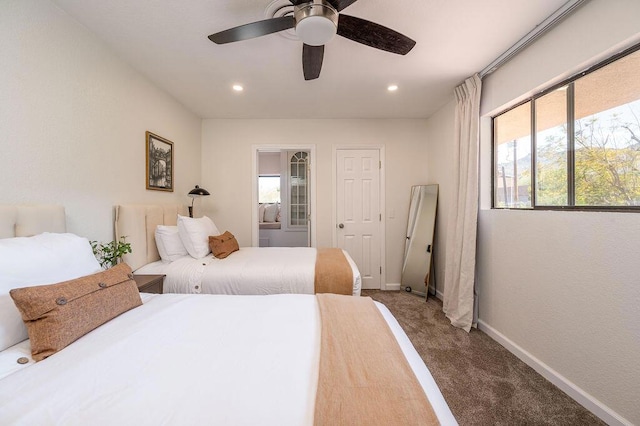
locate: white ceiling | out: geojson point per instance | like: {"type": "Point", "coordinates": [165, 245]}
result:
{"type": "Point", "coordinates": [166, 40]}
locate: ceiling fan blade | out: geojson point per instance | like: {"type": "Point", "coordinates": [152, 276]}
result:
{"type": "Point", "coordinates": [341, 4]}
{"type": "Point", "coordinates": [374, 35]}
{"type": "Point", "coordinates": [254, 29]}
{"type": "Point", "coordinates": [297, 2]}
{"type": "Point", "coordinates": [312, 57]}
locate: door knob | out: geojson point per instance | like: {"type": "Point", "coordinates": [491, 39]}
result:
{"type": "Point", "coordinates": [341, 225]}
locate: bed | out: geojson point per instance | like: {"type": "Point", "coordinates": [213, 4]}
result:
{"type": "Point", "coordinates": [251, 270]}
{"type": "Point", "coordinates": [204, 359]}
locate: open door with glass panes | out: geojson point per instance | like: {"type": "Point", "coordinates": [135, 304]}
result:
{"type": "Point", "coordinates": [283, 203]}
{"type": "Point", "coordinates": [298, 197]}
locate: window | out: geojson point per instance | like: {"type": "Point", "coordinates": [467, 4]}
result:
{"type": "Point", "coordinates": [551, 149]}
{"type": "Point", "coordinates": [268, 189]}
{"type": "Point", "coordinates": [513, 149]}
{"type": "Point", "coordinates": [576, 145]}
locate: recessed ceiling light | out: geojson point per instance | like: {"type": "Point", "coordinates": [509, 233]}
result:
{"type": "Point", "coordinates": [238, 88]}
{"type": "Point", "coordinates": [392, 88]}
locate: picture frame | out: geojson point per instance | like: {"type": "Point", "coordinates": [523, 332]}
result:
{"type": "Point", "coordinates": [159, 159]}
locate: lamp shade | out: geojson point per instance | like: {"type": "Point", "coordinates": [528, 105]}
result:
{"type": "Point", "coordinates": [198, 192]}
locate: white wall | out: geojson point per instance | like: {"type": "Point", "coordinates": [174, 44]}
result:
{"type": "Point", "coordinates": [560, 289]}
{"type": "Point", "coordinates": [269, 163]}
{"type": "Point", "coordinates": [226, 170]}
{"type": "Point", "coordinates": [73, 119]}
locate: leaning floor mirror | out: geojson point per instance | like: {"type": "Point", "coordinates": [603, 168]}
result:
{"type": "Point", "coordinates": [418, 249]}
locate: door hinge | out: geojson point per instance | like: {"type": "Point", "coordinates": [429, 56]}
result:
{"type": "Point", "coordinates": [380, 217]}
{"type": "Point", "coordinates": [380, 165]}
{"type": "Point", "coordinates": [381, 270]}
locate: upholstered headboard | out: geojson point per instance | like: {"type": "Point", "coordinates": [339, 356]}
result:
{"type": "Point", "coordinates": [28, 220]}
{"type": "Point", "coordinates": [138, 222]}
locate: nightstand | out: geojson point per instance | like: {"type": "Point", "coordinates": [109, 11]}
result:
{"type": "Point", "coordinates": [149, 283]}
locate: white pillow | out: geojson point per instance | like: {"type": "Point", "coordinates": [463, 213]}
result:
{"type": "Point", "coordinates": [270, 213]}
{"type": "Point", "coordinates": [195, 233]}
{"type": "Point", "coordinates": [261, 212]}
{"type": "Point", "coordinates": [169, 243]}
{"type": "Point", "coordinates": [12, 329]}
{"type": "Point", "coordinates": [42, 259]}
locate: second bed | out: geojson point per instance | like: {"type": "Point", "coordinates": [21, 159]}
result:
{"type": "Point", "coordinates": [250, 270]}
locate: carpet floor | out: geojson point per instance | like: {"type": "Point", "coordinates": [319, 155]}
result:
{"type": "Point", "coordinates": [483, 383]}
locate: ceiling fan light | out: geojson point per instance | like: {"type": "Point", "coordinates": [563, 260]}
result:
{"type": "Point", "coordinates": [316, 22]}
{"type": "Point", "coordinates": [316, 30]}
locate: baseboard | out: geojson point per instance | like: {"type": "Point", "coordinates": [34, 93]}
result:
{"type": "Point", "coordinates": [392, 287]}
{"type": "Point", "coordinates": [605, 413]}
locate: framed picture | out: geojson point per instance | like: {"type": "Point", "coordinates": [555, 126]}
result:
{"type": "Point", "coordinates": [159, 163]}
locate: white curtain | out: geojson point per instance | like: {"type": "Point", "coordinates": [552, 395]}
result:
{"type": "Point", "coordinates": [460, 261]}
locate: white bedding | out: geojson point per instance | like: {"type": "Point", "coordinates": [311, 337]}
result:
{"type": "Point", "coordinates": [182, 359]}
{"type": "Point", "coordinates": [9, 358]}
{"type": "Point", "coordinates": [251, 270]}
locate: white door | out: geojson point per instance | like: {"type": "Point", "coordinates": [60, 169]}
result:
{"type": "Point", "coordinates": [358, 211]}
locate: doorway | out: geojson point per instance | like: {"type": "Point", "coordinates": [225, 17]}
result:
{"type": "Point", "coordinates": [359, 219]}
{"type": "Point", "coordinates": [283, 191]}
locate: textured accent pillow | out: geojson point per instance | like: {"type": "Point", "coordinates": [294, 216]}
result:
{"type": "Point", "coordinates": [194, 234]}
{"type": "Point", "coordinates": [56, 315]}
{"type": "Point", "coordinates": [261, 212]}
{"type": "Point", "coordinates": [270, 213]}
{"type": "Point", "coordinates": [42, 259]}
{"type": "Point", "coordinates": [169, 244]}
{"type": "Point", "coordinates": [223, 245]}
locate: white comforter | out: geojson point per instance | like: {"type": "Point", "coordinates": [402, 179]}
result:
{"type": "Point", "coordinates": [189, 360]}
{"type": "Point", "coordinates": [251, 270]}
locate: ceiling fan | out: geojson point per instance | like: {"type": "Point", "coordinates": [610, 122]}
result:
{"type": "Point", "coordinates": [315, 23]}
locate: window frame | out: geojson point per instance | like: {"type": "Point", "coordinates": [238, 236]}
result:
{"type": "Point", "coordinates": [569, 82]}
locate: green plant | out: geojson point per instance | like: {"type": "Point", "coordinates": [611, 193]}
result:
{"type": "Point", "coordinates": [109, 254]}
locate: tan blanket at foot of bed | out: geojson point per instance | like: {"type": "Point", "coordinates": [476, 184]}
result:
{"type": "Point", "coordinates": [364, 377]}
{"type": "Point", "coordinates": [333, 272]}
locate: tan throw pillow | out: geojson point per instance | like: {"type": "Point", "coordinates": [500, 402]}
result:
{"type": "Point", "coordinates": [56, 315]}
{"type": "Point", "coordinates": [223, 245]}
